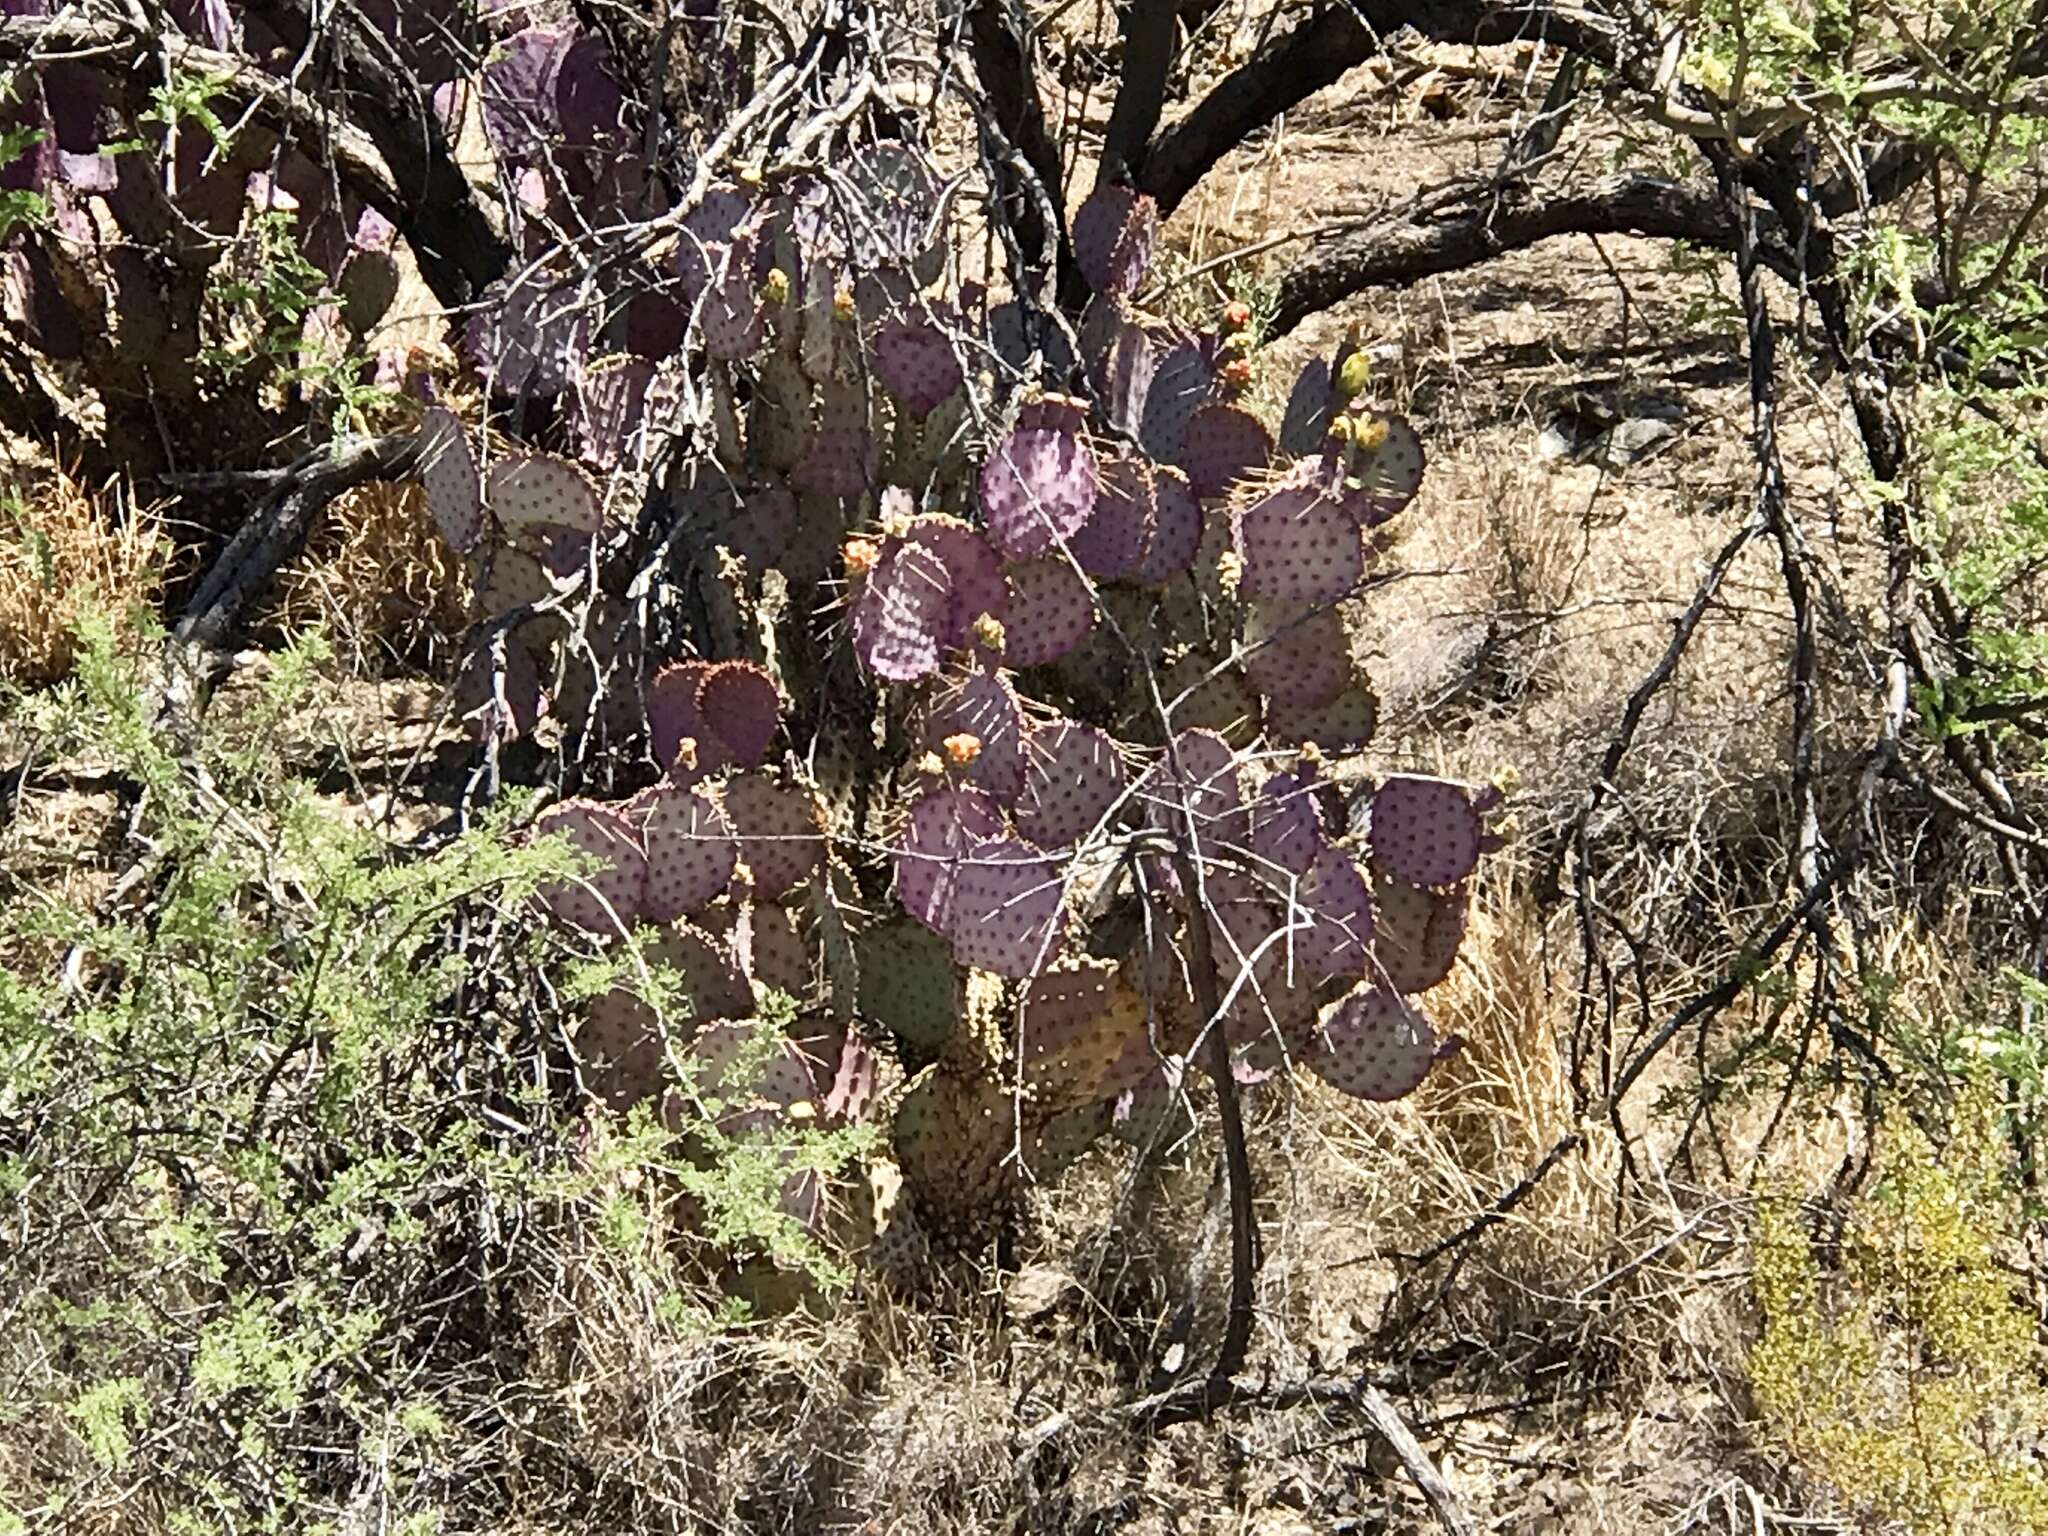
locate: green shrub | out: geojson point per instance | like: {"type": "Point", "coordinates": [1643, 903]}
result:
{"type": "Point", "coordinates": [291, 1138]}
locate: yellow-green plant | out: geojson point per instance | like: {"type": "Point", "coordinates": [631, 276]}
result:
{"type": "Point", "coordinates": [1906, 1376]}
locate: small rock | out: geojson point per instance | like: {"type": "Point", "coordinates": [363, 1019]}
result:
{"type": "Point", "coordinates": [1631, 441]}
{"type": "Point", "coordinates": [1035, 1292]}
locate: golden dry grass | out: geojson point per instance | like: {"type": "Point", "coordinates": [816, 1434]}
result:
{"type": "Point", "coordinates": [379, 580]}
{"type": "Point", "coordinates": [66, 550]}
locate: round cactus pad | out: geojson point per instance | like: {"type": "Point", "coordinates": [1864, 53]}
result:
{"type": "Point", "coordinates": [1372, 1045]}
{"type": "Point", "coordinates": [1424, 831]}
{"type": "Point", "coordinates": [536, 488]}
{"type": "Point", "coordinates": [1051, 611]}
{"type": "Point", "coordinates": [1007, 912]}
{"type": "Point", "coordinates": [690, 852]}
{"type": "Point", "coordinates": [608, 897]}
{"type": "Point", "coordinates": [941, 828]}
{"type": "Point", "coordinates": [1037, 488]}
{"type": "Point", "coordinates": [777, 829]}
{"type": "Point", "coordinates": [1072, 777]}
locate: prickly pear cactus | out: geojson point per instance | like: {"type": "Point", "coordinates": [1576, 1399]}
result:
{"type": "Point", "coordinates": [973, 690]}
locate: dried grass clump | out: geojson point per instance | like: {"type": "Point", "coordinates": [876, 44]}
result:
{"type": "Point", "coordinates": [378, 579]}
{"type": "Point", "coordinates": [857, 1413]}
{"type": "Point", "coordinates": [63, 552]}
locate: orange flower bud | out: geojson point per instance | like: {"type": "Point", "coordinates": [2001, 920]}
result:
{"type": "Point", "coordinates": [860, 556]}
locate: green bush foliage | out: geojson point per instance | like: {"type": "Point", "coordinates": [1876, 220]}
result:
{"type": "Point", "coordinates": [288, 1118]}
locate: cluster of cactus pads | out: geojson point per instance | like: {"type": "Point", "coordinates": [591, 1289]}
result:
{"type": "Point", "coordinates": [1027, 690]}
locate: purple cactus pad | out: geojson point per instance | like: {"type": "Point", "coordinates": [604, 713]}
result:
{"type": "Point", "coordinates": [1416, 934]}
{"type": "Point", "coordinates": [915, 361]}
{"type": "Point", "coordinates": [608, 897]}
{"type": "Point", "coordinates": [1197, 777]}
{"type": "Point", "coordinates": [1347, 723]}
{"type": "Point", "coordinates": [738, 702]}
{"type": "Point", "coordinates": [983, 705]}
{"type": "Point", "coordinates": [1180, 384]}
{"type": "Point", "coordinates": [448, 469]}
{"type": "Point", "coordinates": [1309, 408]}
{"type": "Point", "coordinates": [1297, 547]}
{"type": "Point", "coordinates": [690, 853]}
{"type": "Point", "coordinates": [1424, 831]}
{"type": "Point", "coordinates": [942, 825]}
{"type": "Point", "coordinates": [839, 452]}
{"type": "Point", "coordinates": [1007, 912]}
{"type": "Point", "coordinates": [1176, 529]}
{"type": "Point", "coordinates": [1300, 659]}
{"type": "Point", "coordinates": [1329, 913]}
{"type": "Point", "coordinates": [536, 490]}
{"type": "Point", "coordinates": [1037, 487]}
{"type": "Point", "coordinates": [674, 718]}
{"type": "Point", "coordinates": [1114, 541]}
{"type": "Point", "coordinates": [1381, 482]}
{"type": "Point", "coordinates": [900, 616]}
{"type": "Point", "coordinates": [1372, 1045]}
{"type": "Point", "coordinates": [1114, 232]}
{"type": "Point", "coordinates": [1286, 828]}
{"type": "Point", "coordinates": [707, 232]}
{"type": "Point", "coordinates": [1051, 611]}
{"type": "Point", "coordinates": [521, 114]}
{"type": "Point", "coordinates": [779, 831]}
{"type": "Point", "coordinates": [1221, 445]}
{"type": "Point", "coordinates": [611, 399]}
{"type": "Point", "coordinates": [1072, 777]}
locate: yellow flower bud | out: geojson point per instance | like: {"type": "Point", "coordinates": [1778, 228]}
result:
{"type": "Point", "coordinates": [1353, 374]}
{"type": "Point", "coordinates": [1229, 571]}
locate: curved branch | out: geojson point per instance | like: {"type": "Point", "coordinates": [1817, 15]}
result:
{"type": "Point", "coordinates": [392, 153]}
{"type": "Point", "coordinates": [1317, 52]}
{"type": "Point", "coordinates": [459, 250]}
{"type": "Point", "coordinates": [237, 82]}
{"type": "Point", "coordinates": [277, 529]}
{"type": "Point", "coordinates": [1430, 242]}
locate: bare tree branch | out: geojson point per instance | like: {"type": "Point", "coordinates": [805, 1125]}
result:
{"type": "Point", "coordinates": [1316, 52]}
{"type": "Point", "coordinates": [238, 83]}
{"type": "Point", "coordinates": [1148, 28]}
{"type": "Point", "coordinates": [274, 533]}
{"type": "Point", "coordinates": [458, 248]}
{"type": "Point", "coordinates": [1433, 241]}
{"type": "Point", "coordinates": [1004, 70]}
